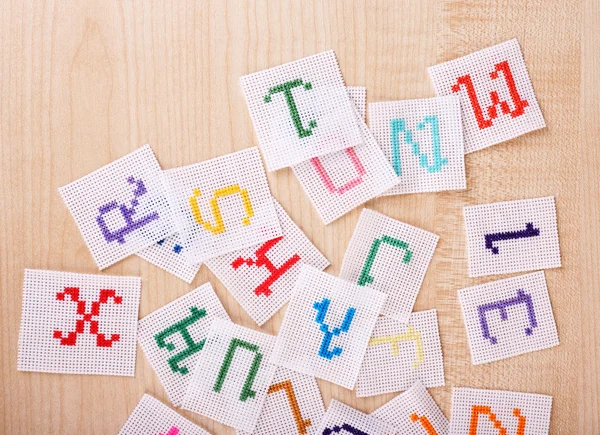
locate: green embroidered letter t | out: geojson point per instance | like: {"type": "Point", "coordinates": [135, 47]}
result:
{"type": "Point", "coordinates": [286, 88]}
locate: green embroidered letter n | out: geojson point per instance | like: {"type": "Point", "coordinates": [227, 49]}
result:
{"type": "Point", "coordinates": [247, 391]}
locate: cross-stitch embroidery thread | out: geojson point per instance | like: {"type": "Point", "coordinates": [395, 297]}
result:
{"type": "Point", "coordinates": [127, 212]}
{"type": "Point", "coordinates": [219, 226]}
{"type": "Point", "coordinates": [181, 328]}
{"type": "Point", "coordinates": [348, 428]}
{"type": "Point", "coordinates": [425, 423]}
{"type": "Point", "coordinates": [477, 410]}
{"type": "Point", "coordinates": [286, 88]}
{"type": "Point", "coordinates": [350, 184]}
{"type": "Point", "coordinates": [393, 340]}
{"type": "Point", "coordinates": [262, 260]}
{"type": "Point", "coordinates": [502, 305]}
{"type": "Point", "coordinates": [173, 431]}
{"type": "Point", "coordinates": [322, 308]}
{"type": "Point", "coordinates": [247, 391]}
{"type": "Point", "coordinates": [87, 317]}
{"type": "Point", "coordinates": [365, 278]}
{"type": "Point", "coordinates": [287, 386]}
{"type": "Point", "coordinates": [176, 249]}
{"type": "Point", "coordinates": [529, 231]}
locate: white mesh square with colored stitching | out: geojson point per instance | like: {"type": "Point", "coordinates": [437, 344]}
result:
{"type": "Point", "coordinates": [232, 376]}
{"type": "Point", "coordinates": [78, 323]}
{"type": "Point", "coordinates": [423, 139]}
{"type": "Point", "coordinates": [301, 110]}
{"type": "Point", "coordinates": [496, 95]}
{"type": "Point", "coordinates": [358, 96]}
{"type": "Point", "coordinates": [326, 327]}
{"type": "Point", "coordinates": [167, 254]}
{"type": "Point", "coordinates": [222, 205]}
{"type": "Point", "coordinates": [262, 278]}
{"type": "Point", "coordinates": [493, 412]}
{"type": "Point", "coordinates": [173, 336]}
{"type": "Point", "coordinates": [389, 256]}
{"type": "Point", "coordinates": [120, 208]}
{"type": "Point", "coordinates": [341, 418]}
{"type": "Point", "coordinates": [512, 236]}
{"type": "Point", "coordinates": [414, 412]}
{"type": "Point", "coordinates": [152, 417]}
{"type": "Point", "coordinates": [355, 175]}
{"type": "Point", "coordinates": [400, 354]}
{"type": "Point", "coordinates": [508, 317]}
{"type": "Point", "coordinates": [294, 406]}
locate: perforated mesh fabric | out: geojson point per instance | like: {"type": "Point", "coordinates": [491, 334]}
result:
{"type": "Point", "coordinates": [358, 96]}
{"type": "Point", "coordinates": [423, 140]}
{"type": "Point", "coordinates": [168, 255]}
{"type": "Point", "coordinates": [261, 278]}
{"type": "Point", "coordinates": [341, 418]}
{"type": "Point", "coordinates": [508, 317]}
{"type": "Point", "coordinates": [152, 417]}
{"type": "Point", "coordinates": [222, 205]}
{"type": "Point", "coordinates": [496, 95]}
{"type": "Point", "coordinates": [78, 323]}
{"type": "Point", "coordinates": [399, 354]}
{"type": "Point", "coordinates": [120, 208]}
{"type": "Point", "coordinates": [389, 256]}
{"type": "Point", "coordinates": [413, 412]}
{"type": "Point", "coordinates": [232, 376]}
{"type": "Point", "coordinates": [512, 236]}
{"type": "Point", "coordinates": [492, 412]}
{"type": "Point", "coordinates": [341, 181]}
{"type": "Point", "coordinates": [293, 406]}
{"type": "Point", "coordinates": [300, 110]}
{"type": "Point", "coordinates": [321, 305]}
{"type": "Point", "coordinates": [173, 336]}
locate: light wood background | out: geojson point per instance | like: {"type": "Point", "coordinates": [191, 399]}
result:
{"type": "Point", "coordinates": [85, 82]}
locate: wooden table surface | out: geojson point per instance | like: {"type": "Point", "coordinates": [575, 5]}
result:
{"type": "Point", "coordinates": [85, 82]}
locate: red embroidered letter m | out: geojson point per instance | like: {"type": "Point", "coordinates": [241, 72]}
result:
{"type": "Point", "coordinates": [262, 260]}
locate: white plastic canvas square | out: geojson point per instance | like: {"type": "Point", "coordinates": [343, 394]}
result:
{"type": "Point", "coordinates": [508, 317]}
{"type": "Point", "coordinates": [262, 278]}
{"type": "Point", "coordinates": [492, 412]}
{"type": "Point", "coordinates": [389, 256]}
{"type": "Point", "coordinates": [120, 208]}
{"type": "Point", "coordinates": [343, 419]}
{"type": "Point", "coordinates": [168, 255]}
{"type": "Point", "coordinates": [400, 354]}
{"type": "Point", "coordinates": [423, 139]}
{"type": "Point", "coordinates": [301, 110]}
{"type": "Point", "coordinates": [152, 417]}
{"type": "Point", "coordinates": [79, 324]}
{"type": "Point", "coordinates": [512, 236]}
{"type": "Point", "coordinates": [173, 336]}
{"type": "Point", "coordinates": [222, 205]}
{"type": "Point", "coordinates": [294, 406]}
{"type": "Point", "coordinates": [354, 175]}
{"type": "Point", "coordinates": [496, 95]}
{"type": "Point", "coordinates": [326, 327]}
{"type": "Point", "coordinates": [414, 412]}
{"type": "Point", "coordinates": [232, 376]}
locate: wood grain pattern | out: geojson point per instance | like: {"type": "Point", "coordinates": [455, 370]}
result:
{"type": "Point", "coordinates": [85, 82]}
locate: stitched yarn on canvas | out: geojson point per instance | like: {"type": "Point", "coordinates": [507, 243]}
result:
{"type": "Point", "coordinates": [341, 418]}
{"type": "Point", "coordinates": [168, 255]}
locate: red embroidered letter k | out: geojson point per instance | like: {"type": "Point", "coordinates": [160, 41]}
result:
{"type": "Point", "coordinates": [87, 317]}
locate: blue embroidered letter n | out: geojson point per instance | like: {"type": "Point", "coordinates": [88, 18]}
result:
{"type": "Point", "coordinates": [322, 308]}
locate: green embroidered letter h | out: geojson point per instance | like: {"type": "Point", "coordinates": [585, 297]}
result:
{"type": "Point", "coordinates": [247, 389]}
{"type": "Point", "coordinates": [286, 88]}
{"type": "Point", "coordinates": [365, 278]}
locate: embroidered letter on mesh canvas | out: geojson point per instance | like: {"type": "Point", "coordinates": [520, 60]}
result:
{"type": "Point", "coordinates": [222, 205]}
{"type": "Point", "coordinates": [168, 255]}
{"type": "Point", "coordinates": [301, 110]}
{"type": "Point", "coordinates": [293, 406]}
{"type": "Point", "coordinates": [173, 336]}
{"type": "Point", "coordinates": [261, 278]}
{"type": "Point", "coordinates": [512, 236]}
{"type": "Point", "coordinates": [341, 181]}
{"type": "Point", "coordinates": [398, 354]}
{"type": "Point", "coordinates": [389, 256]}
{"type": "Point", "coordinates": [152, 417]}
{"type": "Point", "coordinates": [343, 419]}
{"type": "Point", "coordinates": [508, 317]}
{"type": "Point", "coordinates": [120, 208]}
{"type": "Point", "coordinates": [423, 139]}
{"type": "Point", "coordinates": [232, 376]}
{"type": "Point", "coordinates": [326, 327]}
{"type": "Point", "coordinates": [414, 412]}
{"type": "Point", "coordinates": [492, 412]}
{"type": "Point", "coordinates": [496, 95]}
{"type": "Point", "coordinates": [77, 323]}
